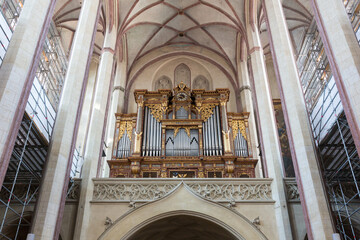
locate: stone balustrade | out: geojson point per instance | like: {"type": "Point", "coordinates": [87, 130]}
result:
{"type": "Point", "coordinates": [217, 190]}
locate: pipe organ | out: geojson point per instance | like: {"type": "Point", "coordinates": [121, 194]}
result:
{"type": "Point", "coordinates": [182, 133]}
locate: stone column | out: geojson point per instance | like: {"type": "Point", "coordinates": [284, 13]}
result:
{"type": "Point", "coordinates": [94, 142]}
{"type": "Point", "coordinates": [316, 210]}
{"type": "Point", "coordinates": [343, 52]}
{"type": "Point", "coordinates": [17, 72]}
{"type": "Point", "coordinates": [51, 200]}
{"type": "Point", "coordinates": [271, 152]}
{"type": "Point", "coordinates": [87, 106]}
{"type": "Point", "coordinates": [117, 100]}
{"type": "Point", "coordinates": [247, 106]}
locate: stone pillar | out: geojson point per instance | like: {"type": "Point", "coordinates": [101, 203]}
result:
{"type": "Point", "coordinates": [117, 100]}
{"type": "Point", "coordinates": [247, 106]}
{"type": "Point", "coordinates": [94, 142]}
{"type": "Point", "coordinates": [51, 200]}
{"type": "Point", "coordinates": [343, 52]}
{"type": "Point", "coordinates": [17, 72]}
{"type": "Point", "coordinates": [314, 202]}
{"type": "Point", "coordinates": [271, 152]}
{"type": "Point", "coordinates": [87, 106]}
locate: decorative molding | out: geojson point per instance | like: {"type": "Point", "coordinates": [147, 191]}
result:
{"type": "Point", "coordinates": [133, 192]}
{"type": "Point", "coordinates": [254, 49]}
{"type": "Point", "coordinates": [246, 87]}
{"type": "Point", "coordinates": [292, 191]}
{"type": "Point", "coordinates": [73, 193]}
{"type": "Point", "coordinates": [206, 110]}
{"type": "Point", "coordinates": [157, 110]}
{"type": "Point", "coordinates": [119, 88]}
{"type": "Point", "coordinates": [125, 126]}
{"type": "Point", "coordinates": [238, 126]}
{"type": "Point", "coordinates": [108, 222]}
{"type": "Point", "coordinates": [227, 191]}
{"type": "Point", "coordinates": [107, 49]}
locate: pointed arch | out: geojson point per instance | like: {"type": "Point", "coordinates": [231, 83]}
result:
{"type": "Point", "coordinates": [182, 73]}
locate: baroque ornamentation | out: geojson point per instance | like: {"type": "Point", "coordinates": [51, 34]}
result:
{"type": "Point", "coordinates": [125, 125]}
{"type": "Point", "coordinates": [157, 110]}
{"type": "Point", "coordinates": [206, 110]}
{"type": "Point", "coordinates": [238, 125]}
{"type": "Point", "coordinates": [186, 128]}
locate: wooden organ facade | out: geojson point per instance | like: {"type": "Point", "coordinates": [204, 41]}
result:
{"type": "Point", "coordinates": [182, 133]}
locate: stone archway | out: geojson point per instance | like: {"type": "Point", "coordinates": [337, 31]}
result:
{"type": "Point", "coordinates": [180, 227]}
{"type": "Point", "coordinates": [232, 223]}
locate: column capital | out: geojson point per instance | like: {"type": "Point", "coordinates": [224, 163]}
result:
{"type": "Point", "coordinates": [120, 88]}
{"type": "Point", "coordinates": [107, 49]}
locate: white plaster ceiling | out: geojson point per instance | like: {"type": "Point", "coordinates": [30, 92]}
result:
{"type": "Point", "coordinates": [209, 24]}
{"type": "Point", "coordinates": [298, 16]}
{"type": "Point", "coordinates": [66, 16]}
{"type": "Point", "coordinates": [150, 24]}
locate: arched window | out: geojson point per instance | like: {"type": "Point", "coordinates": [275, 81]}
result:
{"type": "Point", "coordinates": [182, 74]}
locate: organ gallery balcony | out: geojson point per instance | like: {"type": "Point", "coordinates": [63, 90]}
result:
{"type": "Point", "coordinates": [182, 133]}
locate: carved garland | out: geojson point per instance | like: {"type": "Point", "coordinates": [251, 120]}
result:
{"type": "Point", "coordinates": [238, 125]}
{"type": "Point", "coordinates": [125, 125]}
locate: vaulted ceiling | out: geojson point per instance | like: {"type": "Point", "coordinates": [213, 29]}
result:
{"type": "Point", "coordinates": [148, 25]}
{"type": "Point", "coordinates": [211, 24]}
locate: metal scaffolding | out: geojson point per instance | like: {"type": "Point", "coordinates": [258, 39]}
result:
{"type": "Point", "coordinates": [22, 181]}
{"type": "Point", "coordinates": [338, 156]}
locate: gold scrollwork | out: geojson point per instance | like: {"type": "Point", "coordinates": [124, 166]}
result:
{"type": "Point", "coordinates": [157, 110]}
{"type": "Point", "coordinates": [238, 125]}
{"type": "Point", "coordinates": [125, 125]}
{"type": "Point", "coordinates": [186, 128]}
{"type": "Point", "coordinates": [206, 110]}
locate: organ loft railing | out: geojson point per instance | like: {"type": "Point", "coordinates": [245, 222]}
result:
{"type": "Point", "coordinates": [182, 133]}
